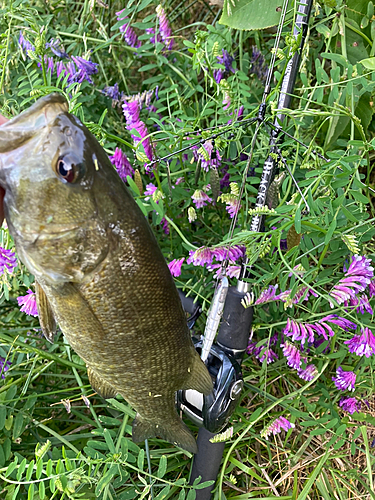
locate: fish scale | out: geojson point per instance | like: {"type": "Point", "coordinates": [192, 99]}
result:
{"type": "Point", "coordinates": [99, 271]}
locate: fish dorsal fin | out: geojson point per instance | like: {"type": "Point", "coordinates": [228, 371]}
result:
{"type": "Point", "coordinates": [99, 385]}
{"type": "Point", "coordinates": [45, 313]}
{"type": "Point", "coordinates": [199, 378]}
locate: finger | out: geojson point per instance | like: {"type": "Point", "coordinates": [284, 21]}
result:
{"type": "Point", "coordinates": [3, 119]}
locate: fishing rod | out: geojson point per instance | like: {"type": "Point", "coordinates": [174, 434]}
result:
{"type": "Point", "coordinates": [224, 356]}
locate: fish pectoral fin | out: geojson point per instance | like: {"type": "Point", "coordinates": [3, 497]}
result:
{"type": "Point", "coordinates": [102, 387]}
{"type": "Point", "coordinates": [198, 379]}
{"type": "Point", "coordinates": [46, 317]}
{"type": "Point", "coordinates": [172, 430]}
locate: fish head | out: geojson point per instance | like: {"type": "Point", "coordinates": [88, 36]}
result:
{"type": "Point", "coordinates": [51, 169]}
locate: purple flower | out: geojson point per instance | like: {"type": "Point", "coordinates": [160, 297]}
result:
{"type": "Point", "coordinates": [233, 205]}
{"type": "Point", "coordinates": [28, 303]}
{"type": "Point", "coordinates": [232, 253]}
{"type": "Point", "coordinates": [164, 28]}
{"type": "Point", "coordinates": [292, 355]}
{"type": "Point", "coordinates": [356, 279]}
{"type": "Point", "coordinates": [8, 260]}
{"type": "Point", "coordinates": [253, 349]}
{"type": "Point", "coordinates": [267, 295]}
{"type": "Point", "coordinates": [131, 112]}
{"type": "Point", "coordinates": [371, 288]}
{"type": "Point", "coordinates": [175, 266]}
{"type": "Point", "coordinates": [122, 164]}
{"type": "Point", "coordinates": [361, 303]}
{"type": "Point", "coordinates": [258, 65]}
{"type": "Point", "coordinates": [150, 190]}
{"type": "Point", "coordinates": [350, 405]}
{"type": "Point", "coordinates": [232, 271]}
{"type": "Point", "coordinates": [129, 34]}
{"type": "Point", "coordinates": [85, 68]}
{"type": "Point", "coordinates": [344, 380]}
{"type": "Point", "coordinates": [227, 61]}
{"type": "Point", "coordinates": [112, 92]}
{"type": "Point", "coordinates": [306, 331]}
{"type": "Point", "coordinates": [200, 257]}
{"type": "Point", "coordinates": [213, 155]}
{"type": "Point", "coordinates": [362, 345]}
{"type": "Point", "coordinates": [54, 45]}
{"type": "Point", "coordinates": [309, 373]}
{"type": "Point", "coordinates": [4, 366]}
{"type": "Point", "coordinates": [267, 354]}
{"type": "Point", "coordinates": [226, 101]}
{"type": "Point", "coordinates": [225, 179]}
{"type": "Point", "coordinates": [155, 38]}
{"type": "Point", "coordinates": [200, 198]}
{"type": "Point", "coordinates": [165, 226]}
{"type": "Point", "coordinates": [276, 426]}
{"type": "Point", "coordinates": [25, 44]}
{"type": "Point", "coordinates": [218, 75]}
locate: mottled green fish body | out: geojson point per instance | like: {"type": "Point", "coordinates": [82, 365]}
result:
{"type": "Point", "coordinates": [99, 271]}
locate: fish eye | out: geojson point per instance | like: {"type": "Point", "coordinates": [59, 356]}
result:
{"type": "Point", "coordinates": [69, 168]}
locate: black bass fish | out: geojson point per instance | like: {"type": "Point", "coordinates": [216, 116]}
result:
{"type": "Point", "coordinates": [99, 271]}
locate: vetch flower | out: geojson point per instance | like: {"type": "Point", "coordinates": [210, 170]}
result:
{"type": "Point", "coordinates": [4, 366]}
{"type": "Point", "coordinates": [267, 295]}
{"type": "Point", "coordinates": [227, 60]}
{"type": "Point", "coordinates": [25, 44]}
{"type": "Point", "coordinates": [208, 155]}
{"type": "Point", "coordinates": [371, 288]}
{"type": "Point", "coordinates": [85, 68]}
{"type": "Point", "coordinates": [150, 190]}
{"type": "Point", "coordinates": [351, 405]}
{"type": "Point", "coordinates": [8, 260]}
{"type": "Point", "coordinates": [276, 426]}
{"type": "Point", "coordinates": [357, 277]}
{"type": "Point", "coordinates": [200, 198]}
{"type": "Point", "coordinates": [164, 224]}
{"type": "Point", "coordinates": [55, 46]}
{"type": "Point", "coordinates": [200, 257]}
{"type": "Point", "coordinates": [131, 111]}
{"type": "Point", "coordinates": [218, 75]}
{"type": "Point", "coordinates": [306, 331]}
{"type": "Point", "coordinates": [361, 303]}
{"type": "Point", "coordinates": [192, 214]}
{"type": "Point", "coordinates": [231, 271]}
{"type": "Point", "coordinates": [362, 345]}
{"type": "Point", "coordinates": [267, 354]}
{"type": "Point", "coordinates": [28, 303]}
{"type": "Point", "coordinates": [175, 266]}
{"type": "Point", "coordinates": [129, 34]}
{"type": "Point", "coordinates": [344, 380]}
{"type": "Point", "coordinates": [112, 92]}
{"type": "Point", "coordinates": [292, 355]}
{"type": "Point", "coordinates": [308, 373]}
{"type": "Point", "coordinates": [258, 65]}
{"type": "Point", "coordinates": [122, 164]}
{"type": "Point", "coordinates": [164, 28]}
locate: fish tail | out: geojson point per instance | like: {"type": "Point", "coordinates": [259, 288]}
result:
{"type": "Point", "coordinates": [174, 431]}
{"type": "Point", "coordinates": [199, 378]}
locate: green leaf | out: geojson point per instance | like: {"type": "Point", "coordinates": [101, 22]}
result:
{"type": "Point", "coordinates": [109, 441]}
{"type": "Point", "coordinates": [330, 232]}
{"type": "Point", "coordinates": [191, 495]}
{"type": "Point", "coordinates": [42, 490]}
{"type": "Point", "coordinates": [359, 197]}
{"type": "Point", "coordinates": [162, 466]}
{"type": "Point", "coordinates": [30, 493]}
{"type": "Point", "coordinates": [251, 14]}
{"type": "Point", "coordinates": [18, 425]}
{"type": "Point", "coordinates": [369, 63]}
{"type": "Point", "coordinates": [164, 492]}
{"type": "Point", "coordinates": [3, 416]}
{"type": "Point", "coordinates": [141, 459]}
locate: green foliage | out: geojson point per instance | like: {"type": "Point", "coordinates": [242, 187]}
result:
{"type": "Point", "coordinates": [57, 439]}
